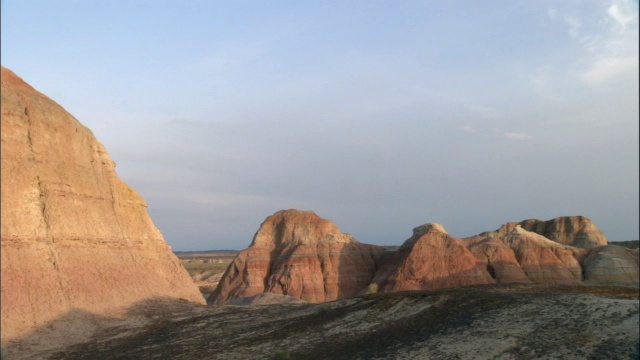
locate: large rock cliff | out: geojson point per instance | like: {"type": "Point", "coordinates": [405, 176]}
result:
{"type": "Point", "coordinates": [299, 254]}
{"type": "Point", "coordinates": [74, 236]}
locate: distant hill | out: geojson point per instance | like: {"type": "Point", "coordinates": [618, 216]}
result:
{"type": "Point", "coordinates": [631, 244]}
{"type": "Point", "coordinates": [206, 253]}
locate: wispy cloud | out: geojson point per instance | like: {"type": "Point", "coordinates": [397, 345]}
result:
{"type": "Point", "coordinates": [511, 135]}
{"type": "Point", "coordinates": [606, 40]}
{"type": "Point", "coordinates": [623, 17]}
{"type": "Point", "coordinates": [610, 68]}
{"type": "Point", "coordinates": [468, 129]}
{"type": "Point", "coordinates": [574, 25]}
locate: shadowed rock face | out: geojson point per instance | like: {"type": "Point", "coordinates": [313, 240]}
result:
{"type": "Point", "coordinates": [612, 265]}
{"type": "Point", "coordinates": [299, 254]}
{"type": "Point", "coordinates": [74, 236]}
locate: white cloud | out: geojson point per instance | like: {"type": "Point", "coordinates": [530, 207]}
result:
{"type": "Point", "coordinates": [618, 15]}
{"type": "Point", "coordinates": [604, 46]}
{"type": "Point", "coordinates": [610, 68]}
{"type": "Point", "coordinates": [516, 136]}
{"type": "Point", "coordinates": [468, 129]}
{"type": "Point", "coordinates": [511, 135]}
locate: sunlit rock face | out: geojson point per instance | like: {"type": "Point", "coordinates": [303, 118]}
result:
{"type": "Point", "coordinates": [564, 250]}
{"type": "Point", "coordinates": [431, 259]}
{"type": "Point", "coordinates": [299, 254]}
{"type": "Point", "coordinates": [577, 231]}
{"type": "Point", "coordinates": [74, 236]}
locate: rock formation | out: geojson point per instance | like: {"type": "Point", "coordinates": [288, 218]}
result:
{"type": "Point", "coordinates": [299, 254]}
{"type": "Point", "coordinates": [612, 265]}
{"type": "Point", "coordinates": [542, 260]}
{"type": "Point", "coordinates": [518, 252]}
{"type": "Point", "coordinates": [74, 236]}
{"type": "Point", "coordinates": [430, 259]}
{"type": "Point", "coordinates": [576, 231]}
{"type": "Point", "coordinates": [564, 250]}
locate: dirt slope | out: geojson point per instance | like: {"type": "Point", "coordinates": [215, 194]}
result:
{"type": "Point", "coordinates": [481, 322]}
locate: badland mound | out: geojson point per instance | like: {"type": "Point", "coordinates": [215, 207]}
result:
{"type": "Point", "coordinates": [74, 236]}
{"type": "Point", "coordinates": [300, 254]}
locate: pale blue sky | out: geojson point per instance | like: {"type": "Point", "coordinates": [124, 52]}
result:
{"type": "Point", "coordinates": [377, 115]}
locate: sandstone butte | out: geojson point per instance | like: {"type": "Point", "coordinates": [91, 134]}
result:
{"type": "Point", "coordinates": [74, 236]}
{"type": "Point", "coordinates": [297, 253]}
{"type": "Point", "coordinates": [286, 258]}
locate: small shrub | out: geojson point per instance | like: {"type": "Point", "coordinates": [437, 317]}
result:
{"type": "Point", "coordinates": [282, 355]}
{"type": "Point", "coordinates": [372, 288]}
{"type": "Point", "coordinates": [324, 309]}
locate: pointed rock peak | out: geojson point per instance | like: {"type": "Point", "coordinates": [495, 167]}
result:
{"type": "Point", "coordinates": [297, 227]}
{"type": "Point", "coordinates": [429, 227]}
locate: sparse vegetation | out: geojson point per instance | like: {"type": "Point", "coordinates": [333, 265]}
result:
{"type": "Point", "coordinates": [372, 288]}
{"type": "Point", "coordinates": [282, 355]}
{"type": "Point", "coordinates": [518, 321]}
{"type": "Point", "coordinates": [324, 309]}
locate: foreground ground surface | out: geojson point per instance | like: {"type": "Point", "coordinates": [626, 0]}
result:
{"type": "Point", "coordinates": [482, 322]}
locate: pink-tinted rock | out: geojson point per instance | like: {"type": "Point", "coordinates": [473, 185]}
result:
{"type": "Point", "coordinates": [431, 259]}
{"type": "Point", "coordinates": [543, 260]}
{"type": "Point", "coordinates": [499, 260]}
{"type": "Point", "coordinates": [299, 254]}
{"type": "Point", "coordinates": [577, 231]}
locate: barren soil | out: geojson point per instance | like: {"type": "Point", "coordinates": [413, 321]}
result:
{"type": "Point", "coordinates": [206, 267]}
{"type": "Point", "coordinates": [481, 322]}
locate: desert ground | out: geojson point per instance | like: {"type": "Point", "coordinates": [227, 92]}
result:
{"type": "Point", "coordinates": [515, 321]}
{"type": "Point", "coordinates": [206, 267]}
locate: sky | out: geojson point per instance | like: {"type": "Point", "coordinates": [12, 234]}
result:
{"type": "Point", "coordinates": [378, 115]}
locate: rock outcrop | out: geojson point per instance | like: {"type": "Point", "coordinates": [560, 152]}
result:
{"type": "Point", "coordinates": [565, 250]}
{"type": "Point", "coordinates": [430, 259]}
{"type": "Point", "coordinates": [543, 260]}
{"type": "Point", "coordinates": [577, 231]}
{"type": "Point", "coordinates": [612, 265]}
{"type": "Point", "coordinates": [74, 236]}
{"type": "Point", "coordinates": [299, 254]}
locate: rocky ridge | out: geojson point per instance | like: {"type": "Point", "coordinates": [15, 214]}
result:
{"type": "Point", "coordinates": [285, 258]}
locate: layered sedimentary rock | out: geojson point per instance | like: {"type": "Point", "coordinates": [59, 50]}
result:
{"type": "Point", "coordinates": [74, 236]}
{"type": "Point", "coordinates": [299, 254]}
{"type": "Point", "coordinates": [543, 260]}
{"type": "Point", "coordinates": [611, 265]}
{"type": "Point", "coordinates": [564, 250]}
{"type": "Point", "coordinates": [576, 231]}
{"type": "Point", "coordinates": [431, 259]}
{"type": "Point", "coordinates": [515, 253]}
